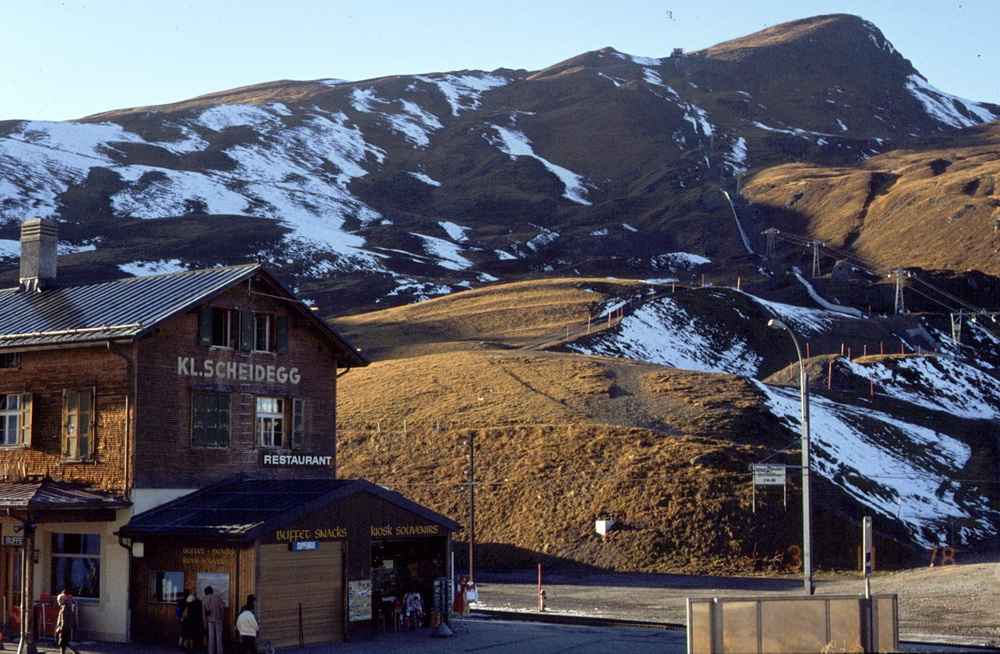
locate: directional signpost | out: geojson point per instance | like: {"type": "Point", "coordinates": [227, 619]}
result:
{"type": "Point", "coordinates": [768, 475]}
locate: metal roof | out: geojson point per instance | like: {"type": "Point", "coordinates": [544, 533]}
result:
{"type": "Point", "coordinates": [124, 308]}
{"type": "Point", "coordinates": [247, 508]}
{"type": "Point", "coordinates": [46, 493]}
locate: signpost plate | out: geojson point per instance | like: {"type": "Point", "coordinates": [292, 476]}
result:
{"type": "Point", "coordinates": [768, 475]}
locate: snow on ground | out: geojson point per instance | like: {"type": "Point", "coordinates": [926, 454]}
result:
{"type": "Point", "coordinates": [859, 450]}
{"type": "Point", "coordinates": [542, 239]}
{"type": "Point", "coordinates": [515, 144]}
{"type": "Point", "coordinates": [935, 383]}
{"type": "Point", "coordinates": [663, 332]}
{"type": "Point", "coordinates": [946, 108]}
{"type": "Point", "coordinates": [464, 91]}
{"type": "Point", "coordinates": [10, 248]}
{"type": "Point", "coordinates": [447, 253]}
{"type": "Point", "coordinates": [803, 321]}
{"type": "Point", "coordinates": [415, 124]}
{"type": "Point", "coordinates": [455, 232]}
{"type": "Point", "coordinates": [679, 261]}
{"type": "Point", "coordinates": [698, 117]}
{"type": "Point", "coordinates": [420, 290]}
{"type": "Point", "coordinates": [296, 174]}
{"type": "Point", "coordinates": [146, 268]}
{"type": "Point", "coordinates": [426, 180]}
{"type": "Point", "coordinates": [737, 156]}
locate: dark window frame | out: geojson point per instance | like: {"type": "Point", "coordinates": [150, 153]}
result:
{"type": "Point", "coordinates": [73, 553]}
{"type": "Point", "coordinates": [216, 408]}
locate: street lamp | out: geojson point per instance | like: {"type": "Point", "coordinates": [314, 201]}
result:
{"type": "Point", "coordinates": [774, 323]}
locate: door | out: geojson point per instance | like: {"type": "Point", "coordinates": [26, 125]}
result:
{"type": "Point", "coordinates": [300, 595]}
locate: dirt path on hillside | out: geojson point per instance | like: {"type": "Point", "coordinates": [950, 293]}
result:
{"type": "Point", "coordinates": [959, 603]}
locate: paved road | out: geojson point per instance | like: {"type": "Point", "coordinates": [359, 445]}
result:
{"type": "Point", "coordinates": [484, 636]}
{"type": "Point", "coordinates": [494, 637]}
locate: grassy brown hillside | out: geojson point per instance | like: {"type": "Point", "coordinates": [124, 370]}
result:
{"type": "Point", "coordinates": [935, 207]}
{"type": "Point", "coordinates": [561, 439]}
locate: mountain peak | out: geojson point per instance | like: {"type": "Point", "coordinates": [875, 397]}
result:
{"type": "Point", "coordinates": [837, 31]}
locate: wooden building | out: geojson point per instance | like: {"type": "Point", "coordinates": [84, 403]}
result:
{"type": "Point", "coordinates": [306, 548]}
{"type": "Point", "coordinates": [120, 397]}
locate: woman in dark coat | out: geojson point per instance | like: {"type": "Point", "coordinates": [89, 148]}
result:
{"type": "Point", "coordinates": [193, 627]}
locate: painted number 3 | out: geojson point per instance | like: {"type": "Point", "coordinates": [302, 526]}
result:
{"type": "Point", "coordinates": [793, 558]}
{"type": "Point", "coordinates": [946, 554]}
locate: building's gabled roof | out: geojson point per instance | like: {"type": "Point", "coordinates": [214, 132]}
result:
{"type": "Point", "coordinates": [245, 509]}
{"type": "Point", "coordinates": [41, 493]}
{"type": "Point", "coordinates": [124, 309]}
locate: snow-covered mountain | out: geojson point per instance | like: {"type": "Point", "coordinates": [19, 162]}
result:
{"type": "Point", "coordinates": [390, 190]}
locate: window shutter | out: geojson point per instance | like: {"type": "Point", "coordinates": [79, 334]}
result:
{"type": "Point", "coordinates": [26, 420]}
{"type": "Point", "coordinates": [68, 423]}
{"type": "Point", "coordinates": [205, 325]}
{"type": "Point", "coordinates": [298, 423]}
{"type": "Point", "coordinates": [86, 424]}
{"type": "Point", "coordinates": [222, 405]}
{"type": "Point", "coordinates": [248, 331]}
{"type": "Point", "coordinates": [281, 335]}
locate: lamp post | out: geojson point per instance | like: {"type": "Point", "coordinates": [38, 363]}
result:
{"type": "Point", "coordinates": [807, 575]}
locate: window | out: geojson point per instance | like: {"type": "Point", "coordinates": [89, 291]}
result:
{"type": "Point", "coordinates": [270, 421]}
{"type": "Point", "coordinates": [167, 586]}
{"type": "Point", "coordinates": [78, 425]}
{"type": "Point", "coordinates": [9, 360]}
{"type": "Point", "coordinates": [263, 339]}
{"type": "Point", "coordinates": [217, 326]}
{"type": "Point", "coordinates": [210, 419]}
{"type": "Point", "coordinates": [242, 329]}
{"type": "Point", "coordinates": [76, 564]}
{"type": "Point", "coordinates": [15, 420]}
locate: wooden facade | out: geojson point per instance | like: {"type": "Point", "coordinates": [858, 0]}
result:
{"type": "Point", "coordinates": [312, 571]}
{"type": "Point", "coordinates": [122, 400]}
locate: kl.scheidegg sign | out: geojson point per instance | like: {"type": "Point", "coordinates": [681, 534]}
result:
{"type": "Point", "coordinates": [235, 371]}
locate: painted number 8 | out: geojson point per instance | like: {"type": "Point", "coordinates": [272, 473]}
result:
{"type": "Point", "coordinates": [947, 556]}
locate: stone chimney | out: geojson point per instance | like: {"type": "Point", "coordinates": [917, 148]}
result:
{"type": "Point", "coordinates": [39, 242]}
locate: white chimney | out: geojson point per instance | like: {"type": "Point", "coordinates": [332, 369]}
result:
{"type": "Point", "coordinates": [39, 242]}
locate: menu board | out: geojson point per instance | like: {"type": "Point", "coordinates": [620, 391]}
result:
{"type": "Point", "coordinates": [359, 600]}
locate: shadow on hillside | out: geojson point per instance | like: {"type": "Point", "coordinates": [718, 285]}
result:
{"type": "Point", "coordinates": [501, 563]}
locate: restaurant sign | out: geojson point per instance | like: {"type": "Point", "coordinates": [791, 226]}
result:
{"type": "Point", "coordinates": [273, 460]}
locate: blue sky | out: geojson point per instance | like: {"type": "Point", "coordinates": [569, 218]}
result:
{"type": "Point", "coordinates": [61, 60]}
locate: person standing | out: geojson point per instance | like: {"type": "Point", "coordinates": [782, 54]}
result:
{"type": "Point", "coordinates": [64, 623]}
{"type": "Point", "coordinates": [246, 624]}
{"type": "Point", "coordinates": [179, 609]}
{"type": "Point", "coordinates": [214, 610]}
{"type": "Point", "coordinates": [193, 628]}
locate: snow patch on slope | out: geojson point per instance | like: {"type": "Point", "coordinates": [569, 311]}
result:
{"type": "Point", "coordinates": [415, 124]}
{"type": "Point", "coordinates": [859, 450]}
{"type": "Point", "coordinates": [515, 144]}
{"type": "Point", "coordinates": [448, 254]}
{"type": "Point", "coordinates": [948, 109]}
{"type": "Point", "coordinates": [663, 332]}
{"type": "Point", "coordinates": [465, 91]}
{"type": "Point", "coordinates": [146, 268]}
{"type": "Point", "coordinates": [937, 384]}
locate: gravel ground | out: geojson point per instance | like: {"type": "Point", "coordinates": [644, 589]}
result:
{"type": "Point", "coordinates": [949, 604]}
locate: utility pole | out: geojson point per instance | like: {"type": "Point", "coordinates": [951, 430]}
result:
{"type": "Point", "coordinates": [900, 275]}
{"type": "Point", "coordinates": [815, 249]}
{"type": "Point", "coordinates": [472, 503]}
{"type": "Point", "coordinates": [770, 233]}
